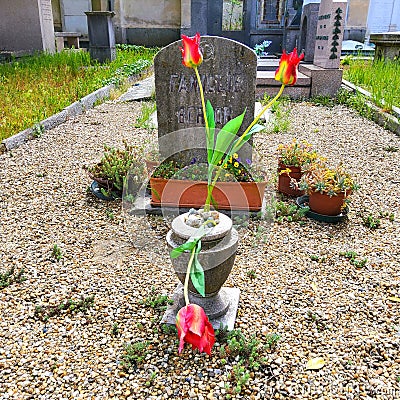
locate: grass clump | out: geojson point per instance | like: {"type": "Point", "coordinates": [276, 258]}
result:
{"type": "Point", "coordinates": [380, 77]}
{"type": "Point", "coordinates": [44, 84]}
{"type": "Point", "coordinates": [11, 276]}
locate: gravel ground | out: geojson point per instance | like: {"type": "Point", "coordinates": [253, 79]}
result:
{"type": "Point", "coordinates": [323, 308]}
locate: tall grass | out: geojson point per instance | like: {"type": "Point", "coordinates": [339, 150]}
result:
{"type": "Point", "coordinates": [380, 77]}
{"type": "Point", "coordinates": [35, 87]}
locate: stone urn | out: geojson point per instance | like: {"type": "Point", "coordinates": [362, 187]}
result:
{"type": "Point", "coordinates": [217, 256]}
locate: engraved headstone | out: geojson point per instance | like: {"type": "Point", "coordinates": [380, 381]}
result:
{"type": "Point", "coordinates": [329, 37]}
{"type": "Point", "coordinates": [228, 74]}
{"type": "Point", "coordinates": [26, 26]}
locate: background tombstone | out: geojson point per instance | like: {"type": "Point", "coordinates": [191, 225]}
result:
{"type": "Point", "coordinates": [329, 37]}
{"type": "Point", "coordinates": [26, 26]}
{"type": "Point", "coordinates": [228, 73]}
{"type": "Point", "coordinates": [308, 29]}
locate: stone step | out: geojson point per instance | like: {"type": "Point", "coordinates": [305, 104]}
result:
{"type": "Point", "coordinates": [266, 84]}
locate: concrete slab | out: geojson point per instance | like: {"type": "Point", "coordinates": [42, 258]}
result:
{"type": "Point", "coordinates": [140, 90]}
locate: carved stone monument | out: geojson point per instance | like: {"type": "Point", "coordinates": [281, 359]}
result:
{"type": "Point", "coordinates": [330, 27]}
{"type": "Point", "coordinates": [228, 75]}
{"type": "Point", "coordinates": [26, 26]}
{"type": "Point", "coordinates": [326, 77]}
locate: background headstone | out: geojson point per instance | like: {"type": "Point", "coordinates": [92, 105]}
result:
{"type": "Point", "coordinates": [329, 37]}
{"type": "Point", "coordinates": [26, 26]}
{"type": "Point", "coordinates": [308, 29]}
{"type": "Point", "coordinates": [228, 73]}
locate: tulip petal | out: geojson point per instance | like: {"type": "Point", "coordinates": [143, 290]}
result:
{"type": "Point", "coordinates": [191, 53]}
{"type": "Point", "coordinates": [287, 70]}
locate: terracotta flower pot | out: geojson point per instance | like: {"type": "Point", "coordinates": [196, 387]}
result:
{"type": "Point", "coordinates": [284, 180]}
{"type": "Point", "coordinates": [321, 203]}
{"type": "Point", "coordinates": [227, 195]}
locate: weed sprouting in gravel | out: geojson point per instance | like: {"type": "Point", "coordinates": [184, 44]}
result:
{"type": "Point", "coordinates": [10, 277]}
{"type": "Point", "coordinates": [56, 253]}
{"type": "Point", "coordinates": [134, 354]}
{"type": "Point", "coordinates": [156, 301]}
{"type": "Point", "coordinates": [352, 257]}
{"type": "Point", "coordinates": [44, 313]}
{"type": "Point", "coordinates": [251, 273]}
{"type": "Point", "coordinates": [115, 331]}
{"type": "Point", "coordinates": [391, 149]}
{"type": "Point", "coordinates": [371, 222]}
{"type": "Point", "coordinates": [169, 329]}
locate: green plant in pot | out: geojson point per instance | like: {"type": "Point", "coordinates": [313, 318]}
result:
{"type": "Point", "coordinates": [203, 242]}
{"type": "Point", "coordinates": [111, 172]}
{"type": "Point", "coordinates": [328, 188]}
{"type": "Point", "coordinates": [292, 158]}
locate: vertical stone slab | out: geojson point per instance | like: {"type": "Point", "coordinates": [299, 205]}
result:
{"type": "Point", "coordinates": [228, 73]}
{"type": "Point", "coordinates": [329, 37]}
{"type": "Point", "coordinates": [26, 26]}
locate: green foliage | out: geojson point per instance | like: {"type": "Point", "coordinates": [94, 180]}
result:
{"type": "Point", "coordinates": [113, 168]}
{"type": "Point", "coordinates": [371, 222]}
{"type": "Point", "coordinates": [289, 212]}
{"type": "Point", "coordinates": [239, 376]}
{"type": "Point", "coordinates": [352, 257]}
{"type": "Point", "coordinates": [248, 350]}
{"type": "Point", "coordinates": [391, 149]}
{"type": "Point", "coordinates": [110, 214]}
{"type": "Point", "coordinates": [356, 101]}
{"type": "Point", "coordinates": [11, 276]}
{"type": "Point", "coordinates": [156, 301]}
{"type": "Point", "coordinates": [134, 354]}
{"type": "Point", "coordinates": [322, 101]}
{"type": "Point", "coordinates": [169, 329]}
{"type": "Point", "coordinates": [251, 273]}
{"type": "Point", "coordinates": [56, 253]}
{"type": "Point", "coordinates": [143, 119]}
{"type": "Point", "coordinates": [380, 77]}
{"type": "Point", "coordinates": [37, 130]}
{"type": "Point", "coordinates": [115, 329]}
{"type": "Point", "coordinates": [280, 119]}
{"type": "Point", "coordinates": [43, 313]}
{"type": "Point", "coordinates": [45, 84]}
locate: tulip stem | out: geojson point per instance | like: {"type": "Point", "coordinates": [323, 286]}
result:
{"type": "Point", "coordinates": [203, 103]}
{"type": "Point", "coordinates": [186, 284]}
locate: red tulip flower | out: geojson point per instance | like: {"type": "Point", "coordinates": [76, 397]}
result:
{"type": "Point", "coordinates": [287, 70]}
{"type": "Point", "coordinates": [194, 328]}
{"type": "Point", "coordinates": [191, 53]}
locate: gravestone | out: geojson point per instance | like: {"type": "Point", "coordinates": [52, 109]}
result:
{"type": "Point", "coordinates": [228, 74]}
{"type": "Point", "coordinates": [329, 37]}
{"type": "Point", "coordinates": [26, 26]}
{"type": "Point", "coordinates": [308, 29]}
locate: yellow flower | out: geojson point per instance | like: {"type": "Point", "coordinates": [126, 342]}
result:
{"type": "Point", "coordinates": [226, 166]}
{"type": "Point", "coordinates": [236, 164]}
{"type": "Point", "coordinates": [230, 160]}
{"type": "Point", "coordinates": [235, 155]}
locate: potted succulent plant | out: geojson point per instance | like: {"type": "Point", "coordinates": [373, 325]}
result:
{"type": "Point", "coordinates": [292, 158]}
{"type": "Point", "coordinates": [109, 175]}
{"type": "Point", "coordinates": [328, 188]}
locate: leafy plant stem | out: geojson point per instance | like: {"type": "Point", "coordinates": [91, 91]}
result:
{"type": "Point", "coordinates": [189, 268]}
{"type": "Point", "coordinates": [237, 146]}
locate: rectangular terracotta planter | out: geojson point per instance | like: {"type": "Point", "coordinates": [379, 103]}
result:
{"type": "Point", "coordinates": [228, 195]}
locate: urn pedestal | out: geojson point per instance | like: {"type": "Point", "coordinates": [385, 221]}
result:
{"type": "Point", "coordinates": [217, 257]}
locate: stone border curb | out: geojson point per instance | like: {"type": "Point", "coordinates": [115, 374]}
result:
{"type": "Point", "coordinates": [384, 119]}
{"type": "Point", "coordinates": [74, 109]}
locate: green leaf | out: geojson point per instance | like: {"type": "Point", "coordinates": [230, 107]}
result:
{"type": "Point", "coordinates": [256, 128]}
{"type": "Point", "coordinates": [225, 137]}
{"type": "Point", "coordinates": [197, 272]}
{"type": "Point", "coordinates": [211, 135]}
{"type": "Point", "coordinates": [189, 245]}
